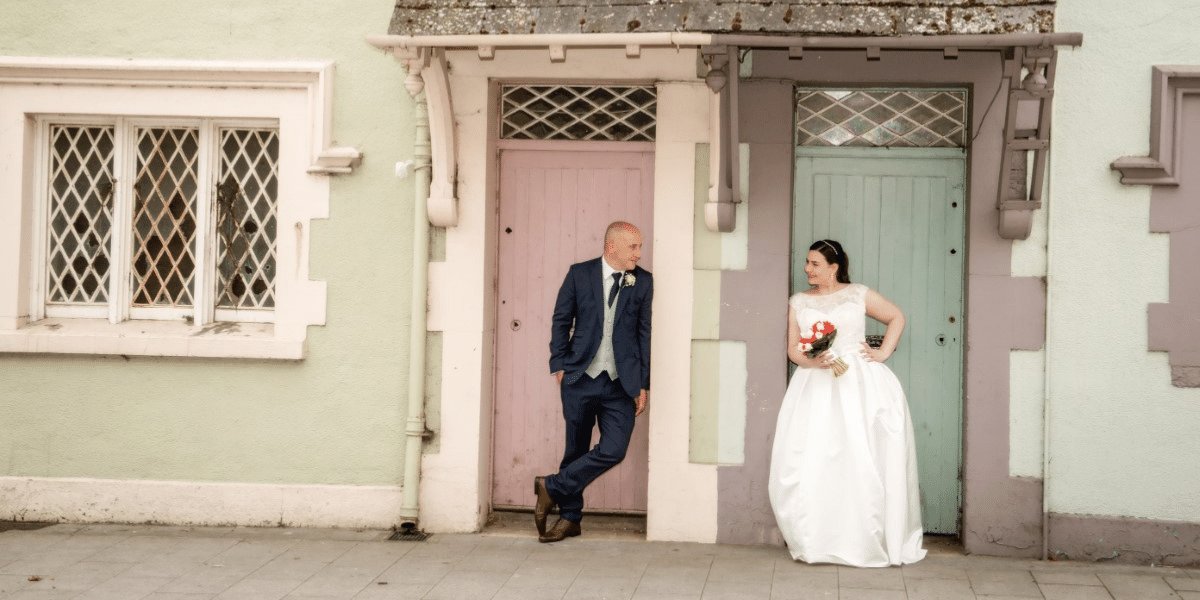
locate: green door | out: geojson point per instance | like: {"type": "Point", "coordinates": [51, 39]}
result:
{"type": "Point", "coordinates": [901, 217]}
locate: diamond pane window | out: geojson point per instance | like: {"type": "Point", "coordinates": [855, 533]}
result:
{"type": "Point", "coordinates": [164, 216]}
{"type": "Point", "coordinates": [578, 112]}
{"type": "Point", "coordinates": [246, 200]}
{"type": "Point", "coordinates": [80, 214]}
{"type": "Point", "coordinates": [162, 220]}
{"type": "Point", "coordinates": [881, 118]}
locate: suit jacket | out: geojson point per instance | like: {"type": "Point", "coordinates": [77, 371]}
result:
{"type": "Point", "coordinates": [581, 303]}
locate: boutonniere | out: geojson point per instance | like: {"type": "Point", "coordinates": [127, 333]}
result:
{"type": "Point", "coordinates": [629, 280]}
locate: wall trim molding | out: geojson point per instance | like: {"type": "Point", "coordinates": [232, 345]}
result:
{"type": "Point", "coordinates": [207, 503]}
{"type": "Point", "coordinates": [316, 78]}
{"type": "Point", "coordinates": [1169, 84]}
{"type": "Point", "coordinates": [1174, 140]}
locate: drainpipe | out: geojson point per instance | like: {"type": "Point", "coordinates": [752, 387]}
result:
{"type": "Point", "coordinates": [1046, 381]}
{"type": "Point", "coordinates": [414, 431]}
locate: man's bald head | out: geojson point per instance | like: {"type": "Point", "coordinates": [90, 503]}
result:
{"type": "Point", "coordinates": [619, 226]}
{"type": "Point", "coordinates": [622, 245]}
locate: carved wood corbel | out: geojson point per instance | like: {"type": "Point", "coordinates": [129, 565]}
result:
{"type": "Point", "coordinates": [720, 211]}
{"type": "Point", "coordinates": [427, 73]}
{"type": "Point", "coordinates": [1030, 74]}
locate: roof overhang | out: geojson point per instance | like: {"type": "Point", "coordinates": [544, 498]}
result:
{"type": "Point", "coordinates": [1029, 67]}
{"type": "Point", "coordinates": [490, 42]}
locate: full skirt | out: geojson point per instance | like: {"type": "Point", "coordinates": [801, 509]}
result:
{"type": "Point", "coordinates": [843, 481]}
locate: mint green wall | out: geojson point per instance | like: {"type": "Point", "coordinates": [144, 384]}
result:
{"type": "Point", "coordinates": [336, 417]}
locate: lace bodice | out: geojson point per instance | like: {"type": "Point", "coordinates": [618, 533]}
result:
{"type": "Point", "coordinates": [845, 308]}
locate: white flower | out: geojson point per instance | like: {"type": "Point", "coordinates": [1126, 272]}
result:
{"type": "Point", "coordinates": [629, 280]}
{"type": "Point", "coordinates": [819, 335]}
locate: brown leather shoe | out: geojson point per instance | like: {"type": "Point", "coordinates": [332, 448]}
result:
{"type": "Point", "coordinates": [544, 505]}
{"type": "Point", "coordinates": [562, 530]}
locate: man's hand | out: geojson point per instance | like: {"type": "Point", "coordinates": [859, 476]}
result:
{"type": "Point", "coordinates": [640, 403]}
{"type": "Point", "coordinates": [558, 375]}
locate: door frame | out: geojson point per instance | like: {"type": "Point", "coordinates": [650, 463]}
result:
{"type": "Point", "coordinates": [958, 155]}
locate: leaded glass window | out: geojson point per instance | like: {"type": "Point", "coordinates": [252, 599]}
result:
{"type": "Point", "coordinates": [246, 200]}
{"type": "Point", "coordinates": [578, 112]}
{"type": "Point", "coordinates": [80, 210]}
{"type": "Point", "coordinates": [922, 118]}
{"type": "Point", "coordinates": [164, 216]}
{"type": "Point", "coordinates": [160, 220]}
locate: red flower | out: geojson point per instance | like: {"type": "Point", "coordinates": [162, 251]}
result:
{"type": "Point", "coordinates": [819, 340]}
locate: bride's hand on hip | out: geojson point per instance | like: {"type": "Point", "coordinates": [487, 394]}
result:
{"type": "Point", "coordinates": [874, 354]}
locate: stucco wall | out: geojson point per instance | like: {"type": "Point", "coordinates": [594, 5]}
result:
{"type": "Point", "coordinates": [1027, 368]}
{"type": "Point", "coordinates": [1122, 440]}
{"type": "Point", "coordinates": [334, 418]}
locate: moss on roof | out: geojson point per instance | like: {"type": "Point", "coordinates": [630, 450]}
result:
{"type": "Point", "coordinates": [797, 17]}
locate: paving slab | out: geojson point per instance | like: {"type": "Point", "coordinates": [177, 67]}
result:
{"type": "Point", "coordinates": [126, 562]}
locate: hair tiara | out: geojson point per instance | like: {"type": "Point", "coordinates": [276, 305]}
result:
{"type": "Point", "coordinates": [835, 250]}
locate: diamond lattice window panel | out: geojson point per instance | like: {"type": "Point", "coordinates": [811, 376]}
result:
{"type": "Point", "coordinates": [881, 118]}
{"type": "Point", "coordinates": [164, 216]}
{"type": "Point", "coordinates": [80, 210]}
{"type": "Point", "coordinates": [246, 200]}
{"type": "Point", "coordinates": [578, 112]}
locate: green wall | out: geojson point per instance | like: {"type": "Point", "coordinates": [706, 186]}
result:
{"type": "Point", "coordinates": [336, 417]}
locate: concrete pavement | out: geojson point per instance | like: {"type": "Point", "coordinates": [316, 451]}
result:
{"type": "Point", "coordinates": [123, 562]}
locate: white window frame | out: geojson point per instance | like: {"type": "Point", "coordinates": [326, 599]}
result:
{"type": "Point", "coordinates": [292, 97]}
{"type": "Point", "coordinates": [120, 283]}
{"type": "Point", "coordinates": [40, 306]}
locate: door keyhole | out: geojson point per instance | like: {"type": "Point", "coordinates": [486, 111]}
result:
{"type": "Point", "coordinates": [515, 325]}
{"type": "Point", "coordinates": [940, 339]}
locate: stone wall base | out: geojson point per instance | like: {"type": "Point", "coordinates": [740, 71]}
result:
{"type": "Point", "coordinates": [1124, 539]}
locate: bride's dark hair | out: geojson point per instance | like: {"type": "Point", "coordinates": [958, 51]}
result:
{"type": "Point", "coordinates": [834, 255]}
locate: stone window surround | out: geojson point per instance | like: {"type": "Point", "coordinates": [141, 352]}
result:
{"type": "Point", "coordinates": [1173, 210]}
{"type": "Point", "coordinates": [296, 95]}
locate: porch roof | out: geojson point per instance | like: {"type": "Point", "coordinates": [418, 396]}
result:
{"type": "Point", "coordinates": [795, 17]}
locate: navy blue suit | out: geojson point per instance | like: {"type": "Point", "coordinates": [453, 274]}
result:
{"type": "Point", "coordinates": [587, 401]}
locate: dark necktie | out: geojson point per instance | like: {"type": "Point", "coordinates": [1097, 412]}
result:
{"type": "Point", "coordinates": [616, 287]}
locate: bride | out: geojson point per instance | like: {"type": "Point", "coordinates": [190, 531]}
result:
{"type": "Point", "coordinates": [843, 481]}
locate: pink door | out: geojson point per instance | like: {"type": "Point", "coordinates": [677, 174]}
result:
{"type": "Point", "coordinates": [554, 207]}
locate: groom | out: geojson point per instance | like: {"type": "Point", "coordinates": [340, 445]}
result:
{"type": "Point", "coordinates": [603, 371]}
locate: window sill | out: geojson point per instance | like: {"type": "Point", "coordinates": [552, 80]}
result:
{"type": "Point", "coordinates": [150, 338]}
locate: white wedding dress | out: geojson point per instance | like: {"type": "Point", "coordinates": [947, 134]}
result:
{"type": "Point", "coordinates": [843, 481]}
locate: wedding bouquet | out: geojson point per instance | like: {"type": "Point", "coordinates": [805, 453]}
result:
{"type": "Point", "coordinates": [820, 339]}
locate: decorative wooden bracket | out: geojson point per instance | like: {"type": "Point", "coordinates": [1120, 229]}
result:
{"type": "Point", "coordinates": [1030, 74]}
{"type": "Point", "coordinates": [720, 212]}
{"type": "Point", "coordinates": [427, 72]}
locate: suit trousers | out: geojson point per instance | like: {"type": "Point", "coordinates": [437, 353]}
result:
{"type": "Point", "coordinates": [586, 403]}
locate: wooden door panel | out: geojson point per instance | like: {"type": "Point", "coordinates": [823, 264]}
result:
{"type": "Point", "coordinates": [901, 217]}
{"type": "Point", "coordinates": [554, 208]}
